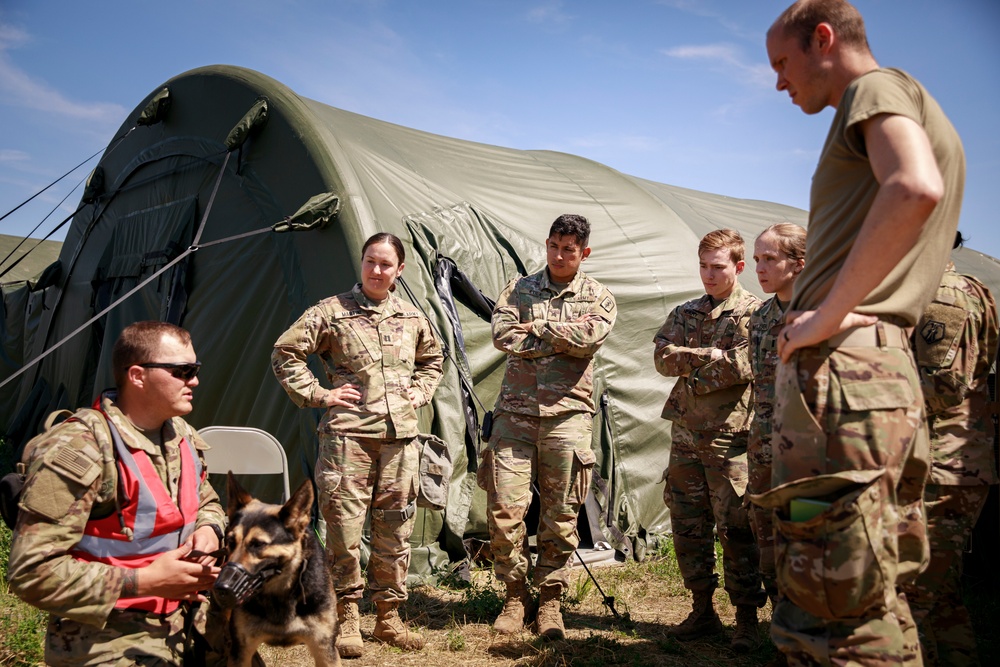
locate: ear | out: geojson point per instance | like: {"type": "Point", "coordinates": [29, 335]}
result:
{"type": "Point", "coordinates": [799, 265]}
{"type": "Point", "coordinates": [135, 376]}
{"type": "Point", "coordinates": [238, 496]}
{"type": "Point", "coordinates": [585, 254]}
{"type": "Point", "coordinates": [297, 512]}
{"type": "Point", "coordinates": [740, 265]}
{"type": "Point", "coordinates": [824, 37]}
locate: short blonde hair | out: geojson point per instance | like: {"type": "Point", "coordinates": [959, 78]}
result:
{"type": "Point", "coordinates": [729, 239]}
{"type": "Point", "coordinates": [791, 239]}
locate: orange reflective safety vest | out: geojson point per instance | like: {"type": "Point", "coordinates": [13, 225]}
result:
{"type": "Point", "coordinates": [148, 521]}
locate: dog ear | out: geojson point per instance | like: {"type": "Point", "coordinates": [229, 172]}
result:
{"type": "Point", "coordinates": [238, 496]}
{"type": "Point", "coordinates": [297, 512]}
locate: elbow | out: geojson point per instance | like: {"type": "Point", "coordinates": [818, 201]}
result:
{"type": "Point", "coordinates": [923, 194]}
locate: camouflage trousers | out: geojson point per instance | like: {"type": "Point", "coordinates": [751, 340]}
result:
{"type": "Point", "coordinates": [850, 434]}
{"type": "Point", "coordinates": [759, 476]}
{"type": "Point", "coordinates": [128, 638]}
{"type": "Point", "coordinates": [353, 475]}
{"type": "Point", "coordinates": [936, 596]}
{"type": "Point", "coordinates": [706, 478]}
{"type": "Point", "coordinates": [555, 451]}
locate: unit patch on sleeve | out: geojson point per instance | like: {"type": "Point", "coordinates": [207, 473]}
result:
{"type": "Point", "coordinates": [932, 332]}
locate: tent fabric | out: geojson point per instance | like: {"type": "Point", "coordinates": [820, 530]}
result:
{"type": "Point", "coordinates": [486, 208]}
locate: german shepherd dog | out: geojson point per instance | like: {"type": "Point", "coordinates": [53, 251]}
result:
{"type": "Point", "coordinates": [276, 580]}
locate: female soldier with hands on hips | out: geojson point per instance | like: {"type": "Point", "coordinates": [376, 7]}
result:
{"type": "Point", "coordinates": [383, 362]}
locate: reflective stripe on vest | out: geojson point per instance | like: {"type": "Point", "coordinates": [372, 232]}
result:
{"type": "Point", "coordinates": [153, 522]}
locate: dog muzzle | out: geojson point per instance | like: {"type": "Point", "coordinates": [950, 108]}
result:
{"type": "Point", "coordinates": [235, 585]}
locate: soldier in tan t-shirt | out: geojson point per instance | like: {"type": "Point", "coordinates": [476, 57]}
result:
{"type": "Point", "coordinates": [851, 442]}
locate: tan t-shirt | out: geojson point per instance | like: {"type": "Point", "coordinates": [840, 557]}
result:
{"type": "Point", "coordinates": [844, 187]}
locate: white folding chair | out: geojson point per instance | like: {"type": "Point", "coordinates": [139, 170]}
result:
{"type": "Point", "coordinates": [245, 451]}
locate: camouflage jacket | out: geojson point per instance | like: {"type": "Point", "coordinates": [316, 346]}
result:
{"type": "Point", "coordinates": [551, 338]}
{"type": "Point", "coordinates": [708, 395]}
{"type": "Point", "coordinates": [765, 325]}
{"type": "Point", "coordinates": [71, 476]}
{"type": "Point", "coordinates": [955, 344]}
{"type": "Point", "coordinates": [385, 349]}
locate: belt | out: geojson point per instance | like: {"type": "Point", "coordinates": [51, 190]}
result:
{"type": "Point", "coordinates": [880, 334]}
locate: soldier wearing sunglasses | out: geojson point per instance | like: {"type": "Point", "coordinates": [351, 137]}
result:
{"type": "Point", "coordinates": [114, 503]}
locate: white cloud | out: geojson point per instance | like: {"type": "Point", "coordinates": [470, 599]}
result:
{"type": "Point", "coordinates": [548, 12]}
{"type": "Point", "coordinates": [724, 57]}
{"type": "Point", "coordinates": [20, 89]}
{"type": "Point", "coordinates": [10, 155]}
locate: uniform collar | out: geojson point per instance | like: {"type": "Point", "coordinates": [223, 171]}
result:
{"type": "Point", "coordinates": [573, 287]}
{"type": "Point", "coordinates": [704, 304]}
{"type": "Point", "coordinates": [132, 435]}
{"type": "Point", "coordinates": [386, 307]}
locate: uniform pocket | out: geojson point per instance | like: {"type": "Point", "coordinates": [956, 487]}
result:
{"type": "Point", "coordinates": [484, 474]}
{"type": "Point", "coordinates": [882, 394]}
{"type": "Point", "coordinates": [583, 470]}
{"type": "Point", "coordinates": [831, 565]}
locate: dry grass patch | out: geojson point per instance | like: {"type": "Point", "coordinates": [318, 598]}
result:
{"type": "Point", "coordinates": [649, 598]}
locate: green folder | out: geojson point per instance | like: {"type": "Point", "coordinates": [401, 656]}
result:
{"type": "Point", "coordinates": [803, 509]}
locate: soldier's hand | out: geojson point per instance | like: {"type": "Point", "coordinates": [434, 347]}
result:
{"type": "Point", "coordinates": [416, 398]}
{"type": "Point", "coordinates": [204, 540]}
{"type": "Point", "coordinates": [172, 577]}
{"type": "Point", "coordinates": [807, 328]}
{"type": "Point", "coordinates": [344, 396]}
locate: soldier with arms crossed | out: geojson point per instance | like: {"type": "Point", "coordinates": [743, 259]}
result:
{"type": "Point", "coordinates": [851, 437]}
{"type": "Point", "coordinates": [115, 499]}
{"type": "Point", "coordinates": [551, 325]}
{"type": "Point", "coordinates": [704, 344]}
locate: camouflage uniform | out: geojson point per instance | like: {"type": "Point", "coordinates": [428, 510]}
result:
{"type": "Point", "coordinates": [706, 476]}
{"type": "Point", "coordinates": [850, 433]}
{"type": "Point", "coordinates": [71, 476]}
{"type": "Point", "coordinates": [765, 326]}
{"type": "Point", "coordinates": [955, 344]}
{"type": "Point", "coordinates": [543, 418]}
{"type": "Point", "coordinates": [368, 455]}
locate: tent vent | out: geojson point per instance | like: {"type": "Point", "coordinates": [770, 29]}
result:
{"type": "Point", "coordinates": [254, 119]}
{"type": "Point", "coordinates": [157, 108]}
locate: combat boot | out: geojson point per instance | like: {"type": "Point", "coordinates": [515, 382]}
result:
{"type": "Point", "coordinates": [701, 622]}
{"type": "Point", "coordinates": [550, 620]}
{"type": "Point", "coordinates": [390, 629]}
{"type": "Point", "coordinates": [515, 609]}
{"type": "Point", "coordinates": [745, 636]}
{"type": "Point", "coordinates": [349, 644]}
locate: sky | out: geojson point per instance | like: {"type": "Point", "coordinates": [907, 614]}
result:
{"type": "Point", "coordinates": [675, 91]}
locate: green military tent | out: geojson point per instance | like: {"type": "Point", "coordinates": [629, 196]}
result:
{"type": "Point", "coordinates": [199, 191]}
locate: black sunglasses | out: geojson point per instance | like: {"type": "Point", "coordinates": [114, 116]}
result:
{"type": "Point", "coordinates": [180, 370]}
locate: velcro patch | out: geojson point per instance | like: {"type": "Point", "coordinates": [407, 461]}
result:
{"type": "Point", "coordinates": [347, 313]}
{"type": "Point", "coordinates": [608, 305]}
{"type": "Point", "coordinates": [75, 465]}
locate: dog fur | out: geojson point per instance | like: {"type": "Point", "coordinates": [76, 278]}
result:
{"type": "Point", "coordinates": [296, 606]}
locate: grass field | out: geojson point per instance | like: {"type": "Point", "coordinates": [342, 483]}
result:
{"type": "Point", "coordinates": [455, 620]}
